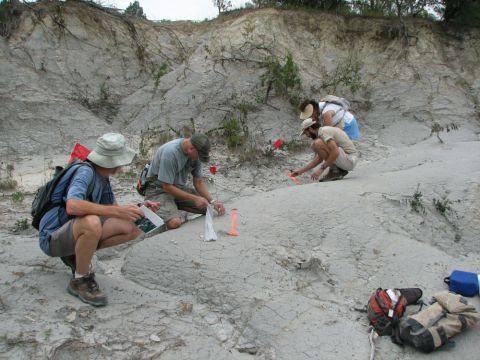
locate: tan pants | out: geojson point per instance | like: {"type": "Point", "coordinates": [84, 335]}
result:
{"type": "Point", "coordinates": [169, 206]}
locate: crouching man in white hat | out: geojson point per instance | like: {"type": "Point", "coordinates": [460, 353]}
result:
{"type": "Point", "coordinates": [88, 217]}
{"type": "Point", "coordinates": [334, 152]}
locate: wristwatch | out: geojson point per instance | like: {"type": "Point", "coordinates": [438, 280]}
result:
{"type": "Point", "coordinates": [212, 201]}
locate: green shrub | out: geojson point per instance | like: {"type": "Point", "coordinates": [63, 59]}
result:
{"type": "Point", "coordinates": [346, 73]}
{"type": "Point", "coordinates": [134, 9]}
{"type": "Point", "coordinates": [416, 201]}
{"type": "Point", "coordinates": [20, 225]}
{"type": "Point", "coordinates": [442, 205]}
{"type": "Point", "coordinates": [283, 78]}
{"type": "Point", "coordinates": [233, 133]}
{"type": "Point", "coordinates": [10, 12]}
{"type": "Point", "coordinates": [160, 71]}
{"type": "Point", "coordinates": [17, 196]}
{"type": "Point", "coordinates": [104, 92]}
{"type": "Point", "coordinates": [437, 129]}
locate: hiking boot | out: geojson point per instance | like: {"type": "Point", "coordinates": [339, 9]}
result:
{"type": "Point", "coordinates": [87, 290]}
{"type": "Point", "coordinates": [334, 174]}
{"type": "Point", "coordinates": [70, 261]}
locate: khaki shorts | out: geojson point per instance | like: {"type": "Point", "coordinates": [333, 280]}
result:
{"type": "Point", "coordinates": [62, 242]}
{"type": "Point", "coordinates": [346, 161]}
{"type": "Point", "coordinates": [170, 207]}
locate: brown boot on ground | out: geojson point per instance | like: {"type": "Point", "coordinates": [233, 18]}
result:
{"type": "Point", "coordinates": [87, 290]}
{"type": "Point", "coordinates": [335, 173]}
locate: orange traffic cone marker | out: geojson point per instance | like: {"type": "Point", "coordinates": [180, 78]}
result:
{"type": "Point", "coordinates": [232, 231]}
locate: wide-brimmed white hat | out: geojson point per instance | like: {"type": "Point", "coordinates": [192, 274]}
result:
{"type": "Point", "coordinates": [111, 151]}
{"type": "Point", "coordinates": [307, 112]}
{"type": "Point", "coordinates": [306, 124]}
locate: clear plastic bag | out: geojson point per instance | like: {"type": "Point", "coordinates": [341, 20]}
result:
{"type": "Point", "coordinates": [209, 231]}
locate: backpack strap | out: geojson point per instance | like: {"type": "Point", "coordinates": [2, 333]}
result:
{"type": "Point", "coordinates": [90, 187]}
{"type": "Point", "coordinates": [335, 119]}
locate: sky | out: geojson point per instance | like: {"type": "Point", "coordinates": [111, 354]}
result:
{"type": "Point", "coordinates": [175, 9]}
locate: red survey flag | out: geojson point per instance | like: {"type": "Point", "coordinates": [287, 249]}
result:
{"type": "Point", "coordinates": [213, 170]}
{"type": "Point", "coordinates": [79, 152]}
{"type": "Point", "coordinates": [278, 143]}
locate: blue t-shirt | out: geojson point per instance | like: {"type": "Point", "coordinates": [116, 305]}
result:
{"type": "Point", "coordinates": [73, 185]}
{"type": "Point", "coordinates": [170, 165]}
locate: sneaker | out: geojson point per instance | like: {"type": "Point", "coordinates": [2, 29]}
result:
{"type": "Point", "coordinates": [87, 290]}
{"type": "Point", "coordinates": [71, 262]}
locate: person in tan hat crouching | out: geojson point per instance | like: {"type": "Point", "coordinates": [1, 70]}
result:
{"type": "Point", "coordinates": [167, 178]}
{"type": "Point", "coordinates": [334, 152]}
{"type": "Point", "coordinates": [330, 114]}
{"type": "Point", "coordinates": [89, 217]}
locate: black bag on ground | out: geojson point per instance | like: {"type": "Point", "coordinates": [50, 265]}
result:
{"type": "Point", "coordinates": [42, 201]}
{"type": "Point", "coordinates": [435, 325]}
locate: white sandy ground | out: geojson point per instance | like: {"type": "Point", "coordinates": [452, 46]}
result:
{"type": "Point", "coordinates": [291, 286]}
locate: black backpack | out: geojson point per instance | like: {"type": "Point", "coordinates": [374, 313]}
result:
{"type": "Point", "coordinates": [42, 201]}
{"type": "Point", "coordinates": [142, 181]}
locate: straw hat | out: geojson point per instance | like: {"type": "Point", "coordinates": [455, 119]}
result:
{"type": "Point", "coordinates": [306, 124]}
{"type": "Point", "coordinates": [307, 112]}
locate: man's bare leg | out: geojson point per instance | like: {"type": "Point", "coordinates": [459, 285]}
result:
{"type": "Point", "coordinates": [116, 232]}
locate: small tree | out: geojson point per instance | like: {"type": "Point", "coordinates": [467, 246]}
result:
{"type": "Point", "coordinates": [462, 12]}
{"type": "Point", "coordinates": [283, 78]}
{"type": "Point", "coordinates": [222, 5]}
{"type": "Point", "coordinates": [10, 11]}
{"type": "Point", "coordinates": [134, 9]}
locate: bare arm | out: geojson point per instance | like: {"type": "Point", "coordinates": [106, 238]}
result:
{"type": "Point", "coordinates": [315, 161]}
{"type": "Point", "coordinates": [76, 207]}
{"type": "Point", "coordinates": [183, 195]}
{"type": "Point", "coordinates": [202, 190]}
{"type": "Point", "coordinates": [332, 153]}
{"type": "Point", "coordinates": [328, 118]}
{"type": "Point", "coordinates": [331, 157]}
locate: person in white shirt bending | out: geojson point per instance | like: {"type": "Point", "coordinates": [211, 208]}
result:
{"type": "Point", "coordinates": [330, 114]}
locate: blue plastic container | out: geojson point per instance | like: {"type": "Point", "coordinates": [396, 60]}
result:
{"type": "Point", "coordinates": [463, 282]}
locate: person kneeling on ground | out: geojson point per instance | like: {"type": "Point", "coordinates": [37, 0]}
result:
{"type": "Point", "coordinates": [329, 114]}
{"type": "Point", "coordinates": [167, 177]}
{"type": "Point", "coordinates": [333, 150]}
{"type": "Point", "coordinates": [76, 229]}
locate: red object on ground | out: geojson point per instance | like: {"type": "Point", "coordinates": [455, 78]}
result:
{"type": "Point", "coordinates": [213, 169]}
{"type": "Point", "coordinates": [294, 178]}
{"type": "Point", "coordinates": [278, 143]}
{"type": "Point", "coordinates": [79, 152]}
